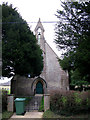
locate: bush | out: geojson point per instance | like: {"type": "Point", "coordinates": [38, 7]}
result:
{"type": "Point", "coordinates": [4, 100]}
{"type": "Point", "coordinates": [69, 102]}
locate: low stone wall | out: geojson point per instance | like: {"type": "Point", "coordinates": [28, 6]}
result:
{"type": "Point", "coordinates": [10, 103]}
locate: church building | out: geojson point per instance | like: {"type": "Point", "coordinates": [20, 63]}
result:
{"type": "Point", "coordinates": [52, 77]}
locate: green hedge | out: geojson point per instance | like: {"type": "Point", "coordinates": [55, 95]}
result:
{"type": "Point", "coordinates": [71, 102]}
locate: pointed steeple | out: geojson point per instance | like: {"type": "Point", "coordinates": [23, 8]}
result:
{"type": "Point", "coordinates": [39, 32]}
{"type": "Point", "coordinates": [39, 25]}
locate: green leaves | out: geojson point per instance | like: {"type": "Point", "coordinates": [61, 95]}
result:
{"type": "Point", "coordinates": [20, 51]}
{"type": "Point", "coordinates": [72, 35]}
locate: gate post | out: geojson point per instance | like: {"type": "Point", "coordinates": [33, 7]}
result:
{"type": "Point", "coordinates": [10, 102]}
{"type": "Point", "coordinates": [46, 102]}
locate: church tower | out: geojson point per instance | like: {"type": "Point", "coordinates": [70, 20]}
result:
{"type": "Point", "coordinates": [39, 32]}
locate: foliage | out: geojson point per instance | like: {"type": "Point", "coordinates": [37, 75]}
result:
{"type": "Point", "coordinates": [21, 53]}
{"type": "Point", "coordinates": [50, 114]}
{"type": "Point", "coordinates": [64, 100]}
{"type": "Point", "coordinates": [70, 102]}
{"type": "Point", "coordinates": [72, 35]}
{"type": "Point", "coordinates": [78, 100]}
{"type": "Point", "coordinates": [76, 79]}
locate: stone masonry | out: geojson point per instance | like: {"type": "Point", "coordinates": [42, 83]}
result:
{"type": "Point", "coordinates": [52, 77]}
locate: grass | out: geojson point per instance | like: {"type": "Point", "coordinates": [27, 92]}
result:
{"type": "Point", "coordinates": [50, 114]}
{"type": "Point", "coordinates": [41, 108]}
{"type": "Point", "coordinates": [6, 115]}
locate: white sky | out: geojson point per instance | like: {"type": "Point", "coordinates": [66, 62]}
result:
{"type": "Point", "coordinates": [32, 10]}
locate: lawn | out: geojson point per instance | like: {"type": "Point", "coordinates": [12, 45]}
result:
{"type": "Point", "coordinates": [50, 114]}
{"type": "Point", "coordinates": [6, 115]}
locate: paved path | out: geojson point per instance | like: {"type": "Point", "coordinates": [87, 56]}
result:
{"type": "Point", "coordinates": [27, 115]}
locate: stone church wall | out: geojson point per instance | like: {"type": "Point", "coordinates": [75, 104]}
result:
{"type": "Point", "coordinates": [54, 77]}
{"type": "Point", "coordinates": [21, 86]}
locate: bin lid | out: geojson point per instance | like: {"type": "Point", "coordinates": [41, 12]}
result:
{"type": "Point", "coordinates": [20, 99]}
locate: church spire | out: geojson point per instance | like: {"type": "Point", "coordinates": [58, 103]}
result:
{"type": "Point", "coordinates": [39, 20]}
{"type": "Point", "coordinates": [39, 32]}
{"type": "Point", "coordinates": [39, 25]}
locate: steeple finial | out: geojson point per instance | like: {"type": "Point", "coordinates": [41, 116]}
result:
{"type": "Point", "coordinates": [39, 25]}
{"type": "Point", "coordinates": [39, 19]}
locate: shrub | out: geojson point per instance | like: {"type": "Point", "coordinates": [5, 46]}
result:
{"type": "Point", "coordinates": [55, 102]}
{"type": "Point", "coordinates": [69, 102]}
{"type": "Point", "coordinates": [64, 100]}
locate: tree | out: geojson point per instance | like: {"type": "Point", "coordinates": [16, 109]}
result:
{"type": "Point", "coordinates": [72, 35]}
{"type": "Point", "coordinates": [20, 52]}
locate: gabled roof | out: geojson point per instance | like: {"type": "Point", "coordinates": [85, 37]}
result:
{"type": "Point", "coordinates": [39, 25]}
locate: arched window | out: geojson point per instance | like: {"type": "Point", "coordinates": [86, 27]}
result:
{"type": "Point", "coordinates": [39, 88]}
{"type": "Point", "coordinates": [39, 35]}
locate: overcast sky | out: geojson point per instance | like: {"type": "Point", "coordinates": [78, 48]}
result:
{"type": "Point", "coordinates": [32, 10]}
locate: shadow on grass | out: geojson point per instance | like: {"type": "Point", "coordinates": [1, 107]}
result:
{"type": "Point", "coordinates": [50, 114]}
{"type": "Point", "coordinates": [6, 115]}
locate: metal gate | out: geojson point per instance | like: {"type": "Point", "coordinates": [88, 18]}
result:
{"type": "Point", "coordinates": [34, 104]}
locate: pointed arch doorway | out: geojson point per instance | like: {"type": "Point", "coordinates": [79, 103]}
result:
{"type": "Point", "coordinates": [39, 88]}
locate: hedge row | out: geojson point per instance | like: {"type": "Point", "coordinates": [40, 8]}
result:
{"type": "Point", "coordinates": [70, 102]}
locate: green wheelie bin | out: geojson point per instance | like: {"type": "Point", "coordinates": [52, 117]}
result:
{"type": "Point", "coordinates": [20, 106]}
